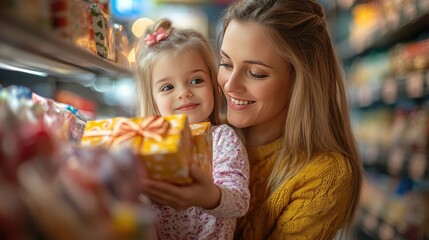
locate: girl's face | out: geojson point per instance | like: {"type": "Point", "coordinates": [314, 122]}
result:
{"type": "Point", "coordinates": [254, 77]}
{"type": "Point", "coordinates": [182, 85]}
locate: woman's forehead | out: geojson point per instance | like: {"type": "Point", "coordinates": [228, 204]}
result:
{"type": "Point", "coordinates": [249, 41]}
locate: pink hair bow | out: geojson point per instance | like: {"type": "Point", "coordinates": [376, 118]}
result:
{"type": "Point", "coordinates": [152, 38]}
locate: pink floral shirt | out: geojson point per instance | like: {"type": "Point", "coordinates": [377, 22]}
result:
{"type": "Point", "coordinates": [231, 174]}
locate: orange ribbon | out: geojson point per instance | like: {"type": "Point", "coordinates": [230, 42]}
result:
{"type": "Point", "coordinates": [124, 129]}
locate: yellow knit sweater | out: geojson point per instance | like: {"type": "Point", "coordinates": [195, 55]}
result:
{"type": "Point", "coordinates": [311, 205]}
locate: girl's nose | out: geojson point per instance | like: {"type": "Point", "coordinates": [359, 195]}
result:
{"type": "Point", "coordinates": [185, 93]}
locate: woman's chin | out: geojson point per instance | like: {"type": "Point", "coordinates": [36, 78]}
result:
{"type": "Point", "coordinates": [237, 121]}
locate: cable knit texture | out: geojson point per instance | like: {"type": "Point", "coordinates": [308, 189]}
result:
{"type": "Point", "coordinates": [231, 174]}
{"type": "Point", "coordinates": [311, 205]}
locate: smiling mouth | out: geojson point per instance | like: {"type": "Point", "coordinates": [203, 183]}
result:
{"type": "Point", "coordinates": [241, 102]}
{"type": "Point", "coordinates": [187, 107]}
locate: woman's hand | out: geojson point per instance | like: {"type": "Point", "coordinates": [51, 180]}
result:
{"type": "Point", "coordinates": [202, 192]}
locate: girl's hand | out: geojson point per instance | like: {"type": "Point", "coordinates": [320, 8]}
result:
{"type": "Point", "coordinates": [200, 193]}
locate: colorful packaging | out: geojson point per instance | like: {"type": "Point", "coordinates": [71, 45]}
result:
{"type": "Point", "coordinates": [121, 46]}
{"type": "Point", "coordinates": [65, 119]}
{"type": "Point", "coordinates": [202, 148]}
{"type": "Point", "coordinates": [33, 12]}
{"type": "Point", "coordinates": [163, 142]}
{"type": "Point", "coordinates": [62, 20]}
{"type": "Point", "coordinates": [103, 33]}
{"type": "Point", "coordinates": [83, 29]}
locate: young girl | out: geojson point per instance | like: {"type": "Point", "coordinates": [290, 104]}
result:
{"type": "Point", "coordinates": [177, 75]}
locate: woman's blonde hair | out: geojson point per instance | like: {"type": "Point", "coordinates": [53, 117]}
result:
{"type": "Point", "coordinates": [318, 115]}
{"type": "Point", "coordinates": [178, 42]}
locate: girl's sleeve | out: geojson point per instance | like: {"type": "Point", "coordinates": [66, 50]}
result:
{"type": "Point", "coordinates": [230, 173]}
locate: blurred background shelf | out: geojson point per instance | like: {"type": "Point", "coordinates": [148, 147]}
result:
{"type": "Point", "coordinates": [413, 86]}
{"type": "Point", "coordinates": [407, 26]}
{"type": "Point", "coordinates": [25, 46]}
{"type": "Point", "coordinates": [384, 48]}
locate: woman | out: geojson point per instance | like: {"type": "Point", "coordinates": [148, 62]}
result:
{"type": "Point", "coordinates": [284, 88]}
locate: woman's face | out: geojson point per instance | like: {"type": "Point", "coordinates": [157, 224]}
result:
{"type": "Point", "coordinates": [254, 77]}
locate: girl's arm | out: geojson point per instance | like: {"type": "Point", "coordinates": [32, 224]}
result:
{"type": "Point", "coordinates": [227, 194]}
{"type": "Point", "coordinates": [230, 173]}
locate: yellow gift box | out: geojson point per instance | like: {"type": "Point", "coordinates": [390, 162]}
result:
{"type": "Point", "coordinates": [202, 148]}
{"type": "Point", "coordinates": [165, 143]}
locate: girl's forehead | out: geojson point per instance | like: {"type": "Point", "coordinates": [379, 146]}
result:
{"type": "Point", "coordinates": [177, 54]}
{"type": "Point", "coordinates": [176, 64]}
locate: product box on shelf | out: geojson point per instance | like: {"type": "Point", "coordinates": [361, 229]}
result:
{"type": "Point", "coordinates": [34, 13]}
{"type": "Point", "coordinates": [103, 32]}
{"type": "Point", "coordinates": [122, 45]}
{"type": "Point", "coordinates": [83, 29]}
{"type": "Point", "coordinates": [164, 143]}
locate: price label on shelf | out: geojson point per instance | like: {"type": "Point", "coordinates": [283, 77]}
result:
{"type": "Point", "coordinates": [415, 84]}
{"type": "Point", "coordinates": [390, 90]}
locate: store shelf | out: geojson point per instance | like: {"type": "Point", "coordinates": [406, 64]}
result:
{"type": "Point", "coordinates": [26, 46]}
{"type": "Point", "coordinates": [389, 101]}
{"type": "Point", "coordinates": [414, 85]}
{"type": "Point", "coordinates": [411, 23]}
{"type": "Point", "coordinates": [385, 159]}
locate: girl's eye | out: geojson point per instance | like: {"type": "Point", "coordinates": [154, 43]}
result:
{"type": "Point", "coordinates": [257, 76]}
{"type": "Point", "coordinates": [196, 81]}
{"type": "Point", "coordinates": [166, 88]}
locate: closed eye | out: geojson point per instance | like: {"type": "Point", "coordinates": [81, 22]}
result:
{"type": "Point", "coordinates": [257, 76]}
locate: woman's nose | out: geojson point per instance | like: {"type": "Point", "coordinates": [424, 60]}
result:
{"type": "Point", "coordinates": [233, 83]}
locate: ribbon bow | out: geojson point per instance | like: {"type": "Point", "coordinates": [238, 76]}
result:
{"type": "Point", "coordinates": [150, 127]}
{"type": "Point", "coordinates": [158, 35]}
